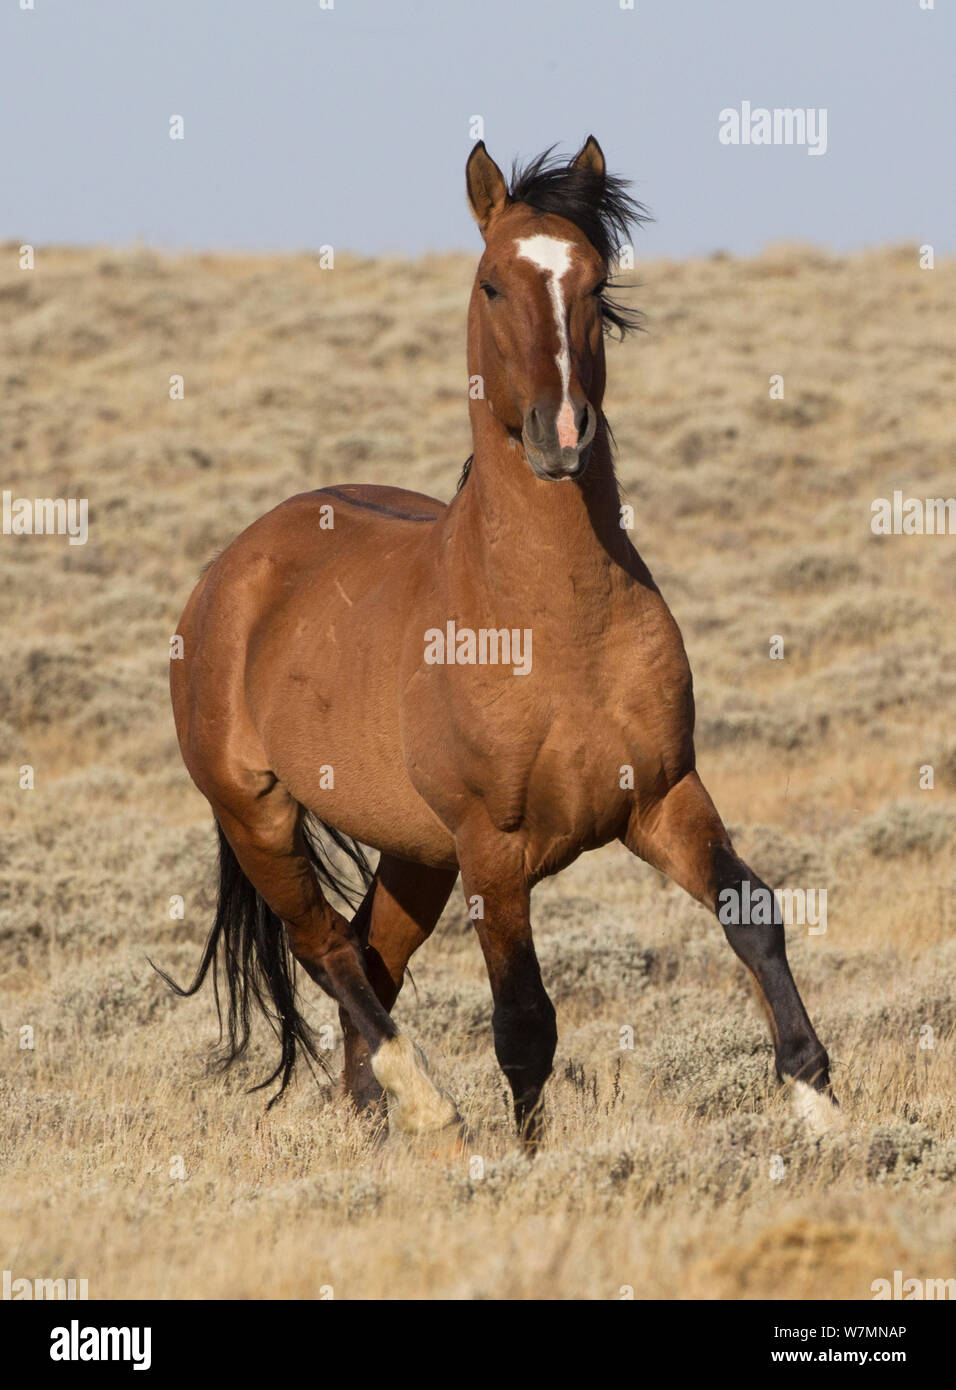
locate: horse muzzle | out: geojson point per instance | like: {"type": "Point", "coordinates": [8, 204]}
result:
{"type": "Point", "coordinates": [558, 443]}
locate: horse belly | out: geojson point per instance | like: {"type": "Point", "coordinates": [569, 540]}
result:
{"type": "Point", "coordinates": [362, 792]}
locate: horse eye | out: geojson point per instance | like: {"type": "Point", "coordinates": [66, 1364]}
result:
{"type": "Point", "coordinates": [599, 289]}
{"type": "Point", "coordinates": [490, 291]}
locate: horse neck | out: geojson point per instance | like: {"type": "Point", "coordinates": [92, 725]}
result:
{"type": "Point", "coordinates": [522, 534]}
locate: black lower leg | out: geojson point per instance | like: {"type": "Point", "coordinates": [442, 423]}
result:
{"type": "Point", "coordinates": [524, 1045]}
{"type": "Point", "coordinates": [761, 945]}
{"type": "Point", "coordinates": [526, 1035]}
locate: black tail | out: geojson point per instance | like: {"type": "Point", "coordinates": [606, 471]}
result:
{"type": "Point", "coordinates": [248, 945]}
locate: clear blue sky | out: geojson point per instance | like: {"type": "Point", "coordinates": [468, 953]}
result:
{"type": "Point", "coordinates": [349, 126]}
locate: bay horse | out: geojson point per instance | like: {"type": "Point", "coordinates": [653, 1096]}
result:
{"type": "Point", "coordinates": [485, 688]}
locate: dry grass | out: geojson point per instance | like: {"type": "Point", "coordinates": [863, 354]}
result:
{"type": "Point", "coordinates": [753, 515]}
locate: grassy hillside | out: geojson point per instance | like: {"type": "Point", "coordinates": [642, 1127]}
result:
{"type": "Point", "coordinates": [754, 516]}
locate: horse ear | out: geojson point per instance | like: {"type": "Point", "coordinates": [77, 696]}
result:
{"type": "Point", "coordinates": [591, 158]}
{"type": "Point", "coordinates": [487, 190]}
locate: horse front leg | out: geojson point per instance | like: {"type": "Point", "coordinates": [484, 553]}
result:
{"type": "Point", "coordinates": [523, 1019]}
{"type": "Point", "coordinates": [683, 836]}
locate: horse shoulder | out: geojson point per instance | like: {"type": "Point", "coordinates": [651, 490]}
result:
{"type": "Point", "coordinates": [650, 687]}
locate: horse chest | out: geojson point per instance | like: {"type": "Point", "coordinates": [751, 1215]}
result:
{"type": "Point", "coordinates": [559, 781]}
{"type": "Point", "coordinates": [553, 746]}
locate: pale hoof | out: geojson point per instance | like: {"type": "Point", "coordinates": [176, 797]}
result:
{"type": "Point", "coordinates": [815, 1110]}
{"type": "Point", "coordinates": [415, 1104]}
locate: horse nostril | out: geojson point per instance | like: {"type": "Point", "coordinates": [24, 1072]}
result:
{"type": "Point", "coordinates": [587, 423]}
{"type": "Point", "coordinates": [535, 426]}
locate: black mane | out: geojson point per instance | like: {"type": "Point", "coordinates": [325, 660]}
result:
{"type": "Point", "coordinates": [598, 205]}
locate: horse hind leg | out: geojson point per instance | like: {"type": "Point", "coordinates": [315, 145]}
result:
{"type": "Point", "coordinates": [266, 835]}
{"type": "Point", "coordinates": [397, 914]}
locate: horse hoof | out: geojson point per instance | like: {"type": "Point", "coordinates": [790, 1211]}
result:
{"type": "Point", "coordinates": [415, 1104]}
{"type": "Point", "coordinates": [817, 1111]}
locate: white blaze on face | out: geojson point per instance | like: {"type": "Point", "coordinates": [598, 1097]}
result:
{"type": "Point", "coordinates": [553, 256]}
